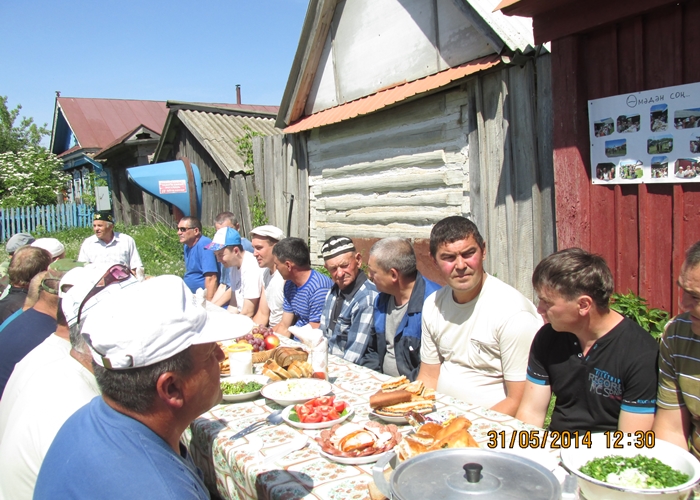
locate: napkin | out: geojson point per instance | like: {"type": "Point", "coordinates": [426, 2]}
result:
{"type": "Point", "coordinates": [317, 344]}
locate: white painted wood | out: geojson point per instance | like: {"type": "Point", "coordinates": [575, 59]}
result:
{"type": "Point", "coordinates": [323, 91]}
{"type": "Point", "coordinates": [459, 40]}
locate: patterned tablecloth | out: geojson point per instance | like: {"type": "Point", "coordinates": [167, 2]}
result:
{"type": "Point", "coordinates": [237, 470]}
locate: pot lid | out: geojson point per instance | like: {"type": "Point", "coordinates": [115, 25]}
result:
{"type": "Point", "coordinates": [494, 475]}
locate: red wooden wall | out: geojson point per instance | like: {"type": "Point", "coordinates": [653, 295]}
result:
{"type": "Point", "coordinates": [641, 230]}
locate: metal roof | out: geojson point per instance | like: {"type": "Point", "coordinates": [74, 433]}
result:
{"type": "Point", "coordinates": [97, 123]}
{"type": "Point", "coordinates": [387, 97]}
{"type": "Point", "coordinates": [253, 109]}
{"type": "Point", "coordinates": [216, 132]}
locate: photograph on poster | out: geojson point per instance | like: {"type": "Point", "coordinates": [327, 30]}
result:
{"type": "Point", "coordinates": [628, 123]}
{"type": "Point", "coordinates": [631, 169]}
{"type": "Point", "coordinates": [604, 127]}
{"type": "Point", "coordinates": [660, 144]}
{"type": "Point", "coordinates": [687, 168]}
{"type": "Point", "coordinates": [605, 171]}
{"type": "Point", "coordinates": [658, 117]}
{"type": "Point", "coordinates": [687, 118]}
{"type": "Point", "coordinates": [659, 167]}
{"type": "Point", "coordinates": [617, 147]}
{"type": "Point", "coordinates": [652, 136]}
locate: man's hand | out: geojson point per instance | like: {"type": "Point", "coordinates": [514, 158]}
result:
{"type": "Point", "coordinates": [282, 327]}
{"type": "Point", "coordinates": [673, 426]}
{"type": "Point", "coordinates": [211, 283]}
{"type": "Point", "coordinates": [534, 403]}
{"type": "Point", "coordinates": [633, 422]}
{"type": "Point", "coordinates": [429, 375]}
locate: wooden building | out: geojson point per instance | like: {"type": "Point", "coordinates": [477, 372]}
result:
{"type": "Point", "coordinates": [206, 134]}
{"type": "Point", "coordinates": [600, 49]}
{"type": "Point", "coordinates": [411, 111]}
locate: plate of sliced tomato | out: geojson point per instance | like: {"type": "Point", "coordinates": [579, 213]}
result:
{"type": "Point", "coordinates": [318, 413]}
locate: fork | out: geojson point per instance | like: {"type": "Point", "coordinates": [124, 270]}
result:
{"type": "Point", "coordinates": [273, 418]}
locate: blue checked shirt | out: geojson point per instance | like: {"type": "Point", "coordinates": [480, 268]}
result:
{"type": "Point", "coordinates": [351, 333]}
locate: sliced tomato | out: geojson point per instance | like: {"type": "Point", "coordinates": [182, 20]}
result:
{"type": "Point", "coordinates": [323, 401]}
{"type": "Point", "coordinates": [302, 412]}
{"type": "Point", "coordinates": [333, 415]}
{"type": "Point", "coordinates": [313, 417]}
{"type": "Point", "coordinates": [340, 406]}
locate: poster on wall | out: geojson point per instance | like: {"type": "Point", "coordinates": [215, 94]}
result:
{"type": "Point", "coordinates": [646, 137]}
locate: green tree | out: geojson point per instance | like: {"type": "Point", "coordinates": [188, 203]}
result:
{"type": "Point", "coordinates": [17, 137]}
{"type": "Point", "coordinates": [31, 176]}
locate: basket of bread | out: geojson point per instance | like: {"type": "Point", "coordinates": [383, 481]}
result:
{"type": "Point", "coordinates": [398, 396]}
{"type": "Point", "coordinates": [286, 363]}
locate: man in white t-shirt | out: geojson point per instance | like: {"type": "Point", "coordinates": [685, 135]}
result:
{"type": "Point", "coordinates": [109, 247]}
{"type": "Point", "coordinates": [246, 276]}
{"type": "Point", "coordinates": [477, 330]}
{"type": "Point", "coordinates": [264, 239]}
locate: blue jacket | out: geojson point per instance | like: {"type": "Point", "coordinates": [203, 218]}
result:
{"type": "Point", "coordinates": [408, 334]}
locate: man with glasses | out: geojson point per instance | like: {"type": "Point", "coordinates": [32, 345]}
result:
{"type": "Point", "coordinates": [26, 428]}
{"type": "Point", "coordinates": [157, 367]}
{"type": "Point", "coordinates": [201, 268]}
{"type": "Point", "coordinates": [107, 246]}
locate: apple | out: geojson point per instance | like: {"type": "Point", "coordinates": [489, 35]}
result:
{"type": "Point", "coordinates": [271, 341]}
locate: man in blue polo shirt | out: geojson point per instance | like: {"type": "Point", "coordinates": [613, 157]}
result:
{"type": "Point", "coordinates": [305, 290]}
{"type": "Point", "coordinates": [201, 268]}
{"type": "Point", "coordinates": [600, 365]}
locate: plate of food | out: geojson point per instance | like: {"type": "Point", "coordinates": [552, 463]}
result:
{"type": "Point", "coordinates": [296, 391]}
{"type": "Point", "coordinates": [355, 444]}
{"type": "Point", "coordinates": [319, 413]}
{"type": "Point", "coordinates": [398, 396]}
{"type": "Point", "coordinates": [242, 387]}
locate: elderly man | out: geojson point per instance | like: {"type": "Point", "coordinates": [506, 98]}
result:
{"type": "Point", "coordinates": [107, 246]}
{"type": "Point", "coordinates": [16, 242]}
{"type": "Point", "coordinates": [678, 403]}
{"type": "Point", "coordinates": [600, 365]}
{"type": "Point", "coordinates": [264, 239]}
{"type": "Point", "coordinates": [201, 268]}
{"type": "Point", "coordinates": [305, 290]}
{"type": "Point", "coordinates": [26, 428]}
{"type": "Point", "coordinates": [51, 245]}
{"type": "Point", "coordinates": [222, 297]}
{"type": "Point", "coordinates": [246, 276]}
{"type": "Point", "coordinates": [26, 263]}
{"type": "Point", "coordinates": [33, 326]}
{"type": "Point", "coordinates": [394, 347]}
{"type": "Point", "coordinates": [158, 370]}
{"type": "Point", "coordinates": [346, 320]}
{"type": "Point", "coordinates": [477, 330]}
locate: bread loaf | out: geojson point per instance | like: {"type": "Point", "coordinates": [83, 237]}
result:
{"type": "Point", "coordinates": [284, 356]}
{"type": "Point", "coordinates": [382, 398]}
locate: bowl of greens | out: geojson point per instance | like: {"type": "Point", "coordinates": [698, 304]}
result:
{"type": "Point", "coordinates": [242, 388]}
{"type": "Point", "coordinates": [656, 470]}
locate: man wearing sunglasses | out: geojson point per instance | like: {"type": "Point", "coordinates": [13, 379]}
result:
{"type": "Point", "coordinates": [201, 268]}
{"type": "Point", "coordinates": [158, 370]}
{"type": "Point", "coordinates": [107, 246]}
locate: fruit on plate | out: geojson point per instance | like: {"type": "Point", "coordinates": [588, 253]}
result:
{"type": "Point", "coordinates": [257, 338]}
{"type": "Point", "coordinates": [323, 409]}
{"type": "Point", "coordinates": [359, 440]}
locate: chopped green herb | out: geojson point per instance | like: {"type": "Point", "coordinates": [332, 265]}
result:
{"type": "Point", "coordinates": [637, 472]}
{"type": "Point", "coordinates": [240, 387]}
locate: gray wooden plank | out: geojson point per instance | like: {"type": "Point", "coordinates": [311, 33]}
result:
{"type": "Point", "coordinates": [545, 160]}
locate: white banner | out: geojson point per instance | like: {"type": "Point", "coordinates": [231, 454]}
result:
{"type": "Point", "coordinates": [646, 137]}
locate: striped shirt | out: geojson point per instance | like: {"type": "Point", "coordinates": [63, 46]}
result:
{"type": "Point", "coordinates": [679, 373]}
{"type": "Point", "coordinates": [306, 302]}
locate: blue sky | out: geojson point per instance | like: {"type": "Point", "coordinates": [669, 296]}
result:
{"type": "Point", "coordinates": [154, 50]}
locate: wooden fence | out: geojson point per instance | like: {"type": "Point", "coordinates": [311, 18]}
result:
{"type": "Point", "coordinates": [50, 218]}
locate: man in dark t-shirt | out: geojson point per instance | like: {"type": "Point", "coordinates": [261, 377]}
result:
{"type": "Point", "coordinates": [600, 365]}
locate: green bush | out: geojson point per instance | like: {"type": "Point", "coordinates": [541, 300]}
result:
{"type": "Point", "coordinates": [635, 308]}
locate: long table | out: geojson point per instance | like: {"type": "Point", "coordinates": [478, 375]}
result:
{"type": "Point", "coordinates": [238, 470]}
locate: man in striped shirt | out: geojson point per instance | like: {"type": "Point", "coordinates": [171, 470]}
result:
{"type": "Point", "coordinates": [678, 401]}
{"type": "Point", "coordinates": [305, 290]}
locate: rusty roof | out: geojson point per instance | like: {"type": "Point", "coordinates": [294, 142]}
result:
{"type": "Point", "coordinates": [97, 123]}
{"type": "Point", "coordinates": [388, 97]}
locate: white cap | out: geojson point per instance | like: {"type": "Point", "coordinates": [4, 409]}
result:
{"type": "Point", "coordinates": [78, 282]}
{"type": "Point", "coordinates": [154, 320]}
{"type": "Point", "coordinates": [51, 245]}
{"type": "Point", "coordinates": [269, 231]}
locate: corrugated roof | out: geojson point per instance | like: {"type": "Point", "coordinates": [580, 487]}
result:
{"type": "Point", "coordinates": [516, 32]}
{"type": "Point", "coordinates": [96, 123]}
{"type": "Point", "coordinates": [390, 96]}
{"type": "Point", "coordinates": [258, 109]}
{"type": "Point", "coordinates": [217, 132]}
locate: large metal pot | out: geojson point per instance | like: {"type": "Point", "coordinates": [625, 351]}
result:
{"type": "Point", "coordinates": [460, 473]}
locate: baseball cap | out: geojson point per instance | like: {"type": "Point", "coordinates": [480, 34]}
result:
{"type": "Point", "coordinates": [224, 237]}
{"type": "Point", "coordinates": [51, 245]}
{"type": "Point", "coordinates": [269, 231]}
{"type": "Point", "coordinates": [18, 241]}
{"type": "Point", "coordinates": [336, 245]}
{"type": "Point", "coordinates": [81, 281]}
{"type": "Point", "coordinates": [56, 271]}
{"type": "Point", "coordinates": [152, 321]}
